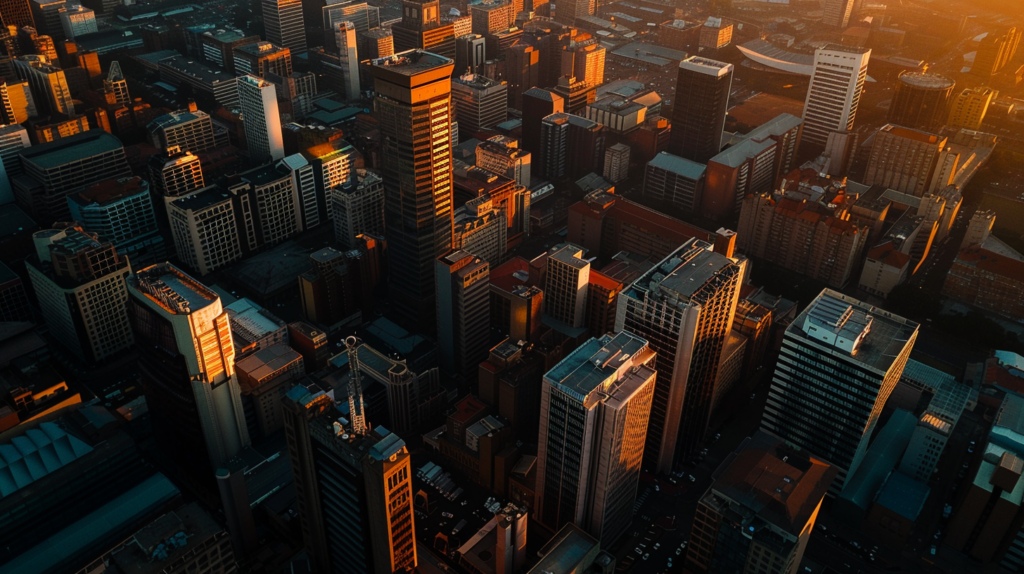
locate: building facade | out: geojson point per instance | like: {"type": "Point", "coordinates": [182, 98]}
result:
{"type": "Point", "coordinates": [697, 127]}
{"type": "Point", "coordinates": [834, 94]}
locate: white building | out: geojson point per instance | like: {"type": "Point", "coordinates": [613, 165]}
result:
{"type": "Point", "coordinates": [834, 93]}
{"type": "Point", "coordinates": [566, 285]}
{"type": "Point", "coordinates": [204, 231]}
{"type": "Point", "coordinates": [345, 35]}
{"type": "Point", "coordinates": [358, 208]}
{"type": "Point", "coordinates": [304, 189]}
{"type": "Point", "coordinates": [77, 20]}
{"type": "Point", "coordinates": [258, 99]}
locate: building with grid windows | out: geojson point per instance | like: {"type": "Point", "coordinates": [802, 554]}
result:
{"type": "Point", "coordinates": [204, 231]}
{"type": "Point", "coordinates": [49, 85]}
{"type": "Point", "coordinates": [358, 208]}
{"type": "Point", "coordinates": [834, 94]}
{"type": "Point", "coordinates": [189, 130]}
{"type": "Point", "coordinates": [463, 290]}
{"type": "Point", "coordinates": [262, 58]}
{"type": "Point", "coordinates": [676, 180]}
{"type": "Point", "coordinates": [481, 229]}
{"type": "Point", "coordinates": [80, 285]}
{"type": "Point", "coordinates": [593, 420]}
{"type": "Point", "coordinates": [285, 24]}
{"type": "Point", "coordinates": [266, 201]}
{"type": "Point", "coordinates": [258, 99]}
{"type": "Point", "coordinates": [697, 127]}
{"type": "Point", "coordinates": [120, 211]}
{"type": "Point", "coordinates": [333, 166]}
{"type": "Point", "coordinates": [684, 306]}
{"type": "Point", "coordinates": [478, 103]}
{"type": "Point", "coordinates": [934, 427]}
{"type": "Point", "coordinates": [13, 300]}
{"type": "Point", "coordinates": [840, 360]}
{"type": "Point", "coordinates": [565, 285]}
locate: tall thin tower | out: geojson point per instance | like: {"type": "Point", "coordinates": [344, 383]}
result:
{"type": "Point", "coordinates": [345, 37]}
{"type": "Point", "coordinates": [834, 93]}
{"type": "Point", "coordinates": [258, 99]}
{"type": "Point", "coordinates": [116, 84]}
{"type": "Point", "coordinates": [356, 408]}
{"type": "Point", "coordinates": [284, 24]}
{"type": "Point", "coordinates": [697, 126]}
{"type": "Point", "coordinates": [413, 104]}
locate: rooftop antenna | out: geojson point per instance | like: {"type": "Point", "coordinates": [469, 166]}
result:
{"type": "Point", "coordinates": [355, 390]}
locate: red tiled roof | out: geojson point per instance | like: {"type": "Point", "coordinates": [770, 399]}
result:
{"type": "Point", "coordinates": [503, 277]}
{"type": "Point", "coordinates": [992, 262]}
{"type": "Point", "coordinates": [887, 254]}
{"type": "Point", "coordinates": [602, 280]}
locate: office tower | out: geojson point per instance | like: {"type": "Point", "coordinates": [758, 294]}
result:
{"type": "Point", "coordinates": [676, 180]}
{"type": "Point", "coordinates": [737, 525]}
{"type": "Point", "coordinates": [584, 60]}
{"type": "Point", "coordinates": [921, 101]}
{"type": "Point", "coordinates": [358, 208]}
{"type": "Point", "coordinates": [258, 99]}
{"type": "Point", "coordinates": [836, 13]}
{"type": "Point", "coordinates": [934, 429]}
{"type": "Point", "coordinates": [46, 14]}
{"type": "Point", "coordinates": [77, 20]}
{"type": "Point", "coordinates": [17, 13]}
{"type": "Point", "coordinates": [572, 146]}
{"type": "Point", "coordinates": [188, 130]}
{"type": "Point", "coordinates": [481, 228]}
{"type": "Point", "coordinates": [565, 286]}
{"type": "Point", "coordinates": [55, 169]}
{"type": "Point", "coordinates": [284, 24]}
{"type": "Point", "coordinates": [187, 367]}
{"type": "Point", "coordinates": [570, 10]}
{"type": "Point", "coordinates": [80, 285]}
{"type": "Point", "coordinates": [697, 127]}
{"type": "Point", "coordinates": [501, 155]}
{"type": "Point", "coordinates": [576, 93]}
{"type": "Point", "coordinates": [311, 342]}
{"type": "Point", "coordinates": [834, 92]}
{"type": "Point", "coordinates": [904, 159]}
{"type": "Point", "coordinates": [217, 46]}
{"type": "Point", "coordinates": [968, 108]}
{"type": "Point", "coordinates": [537, 105]}
{"type": "Point", "coordinates": [594, 412]}
{"type": "Point", "coordinates": [375, 532]}
{"type": "Point", "coordinates": [684, 306]}
{"type": "Point", "coordinates": [995, 51]}
{"type": "Point", "coordinates": [462, 319]}
{"type": "Point", "coordinates": [120, 211]}
{"type": "Point", "coordinates": [13, 300]}
{"type": "Point", "coordinates": [470, 53]}
{"type": "Point", "coordinates": [838, 346]}
{"type": "Point", "coordinates": [16, 102]}
{"type": "Point", "coordinates": [616, 163]}
{"type": "Point", "coordinates": [174, 174]}
{"type": "Point", "coordinates": [262, 58]}
{"type": "Point", "coordinates": [479, 103]}
{"type": "Point", "coordinates": [203, 226]}
{"type": "Point", "coordinates": [328, 291]}
{"type": "Point", "coordinates": [345, 35]}
{"type": "Point", "coordinates": [116, 85]}
{"type": "Point", "coordinates": [50, 89]}
{"type": "Point", "coordinates": [490, 16]}
{"type": "Point", "coordinates": [715, 33]}
{"type": "Point", "coordinates": [413, 105]}
{"type": "Point", "coordinates": [373, 44]}
{"type": "Point", "coordinates": [270, 207]}
{"type": "Point", "coordinates": [522, 68]}
{"type": "Point", "coordinates": [421, 29]}
{"type": "Point", "coordinates": [333, 166]}
{"type": "Point", "coordinates": [13, 139]}
{"type": "Point", "coordinates": [362, 15]}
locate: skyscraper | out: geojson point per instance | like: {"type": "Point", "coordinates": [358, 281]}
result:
{"type": "Point", "coordinates": [49, 86]}
{"type": "Point", "coordinates": [16, 13]}
{"type": "Point", "coordinates": [569, 10]}
{"type": "Point", "coordinates": [345, 38]}
{"type": "Point", "coordinates": [413, 104]}
{"type": "Point", "coordinates": [358, 208]}
{"type": "Point", "coordinates": [16, 102]}
{"type": "Point", "coordinates": [261, 59]}
{"type": "Point", "coordinates": [594, 410]}
{"type": "Point", "coordinates": [116, 84]}
{"type": "Point", "coordinates": [13, 139]}
{"type": "Point", "coordinates": [840, 360]}
{"type": "Point", "coordinates": [834, 92]}
{"type": "Point", "coordinates": [121, 211]}
{"type": "Point", "coordinates": [174, 174]}
{"type": "Point", "coordinates": [205, 229]}
{"type": "Point", "coordinates": [537, 105]}
{"type": "Point", "coordinates": [258, 99]}
{"type": "Point", "coordinates": [189, 130]}
{"type": "Point", "coordinates": [565, 285]}
{"type": "Point", "coordinates": [421, 29]}
{"type": "Point", "coordinates": [187, 367]}
{"type": "Point", "coordinates": [80, 285]}
{"type": "Point", "coordinates": [470, 53]}
{"type": "Point", "coordinates": [479, 103]}
{"type": "Point", "coordinates": [77, 20]}
{"type": "Point", "coordinates": [697, 126]}
{"type": "Point", "coordinates": [836, 13]}
{"type": "Point", "coordinates": [463, 297]}
{"type": "Point", "coordinates": [46, 14]}
{"type": "Point", "coordinates": [684, 306]}
{"type": "Point", "coordinates": [522, 68]}
{"type": "Point", "coordinates": [968, 108]}
{"type": "Point", "coordinates": [284, 24]}
{"type": "Point", "coordinates": [904, 159]}
{"type": "Point", "coordinates": [374, 531]}
{"type": "Point", "coordinates": [921, 101]}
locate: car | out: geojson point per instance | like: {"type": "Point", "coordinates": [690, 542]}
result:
{"type": "Point", "coordinates": [638, 551]}
{"type": "Point", "coordinates": [679, 551]}
{"type": "Point", "coordinates": [691, 478]}
{"type": "Point", "coordinates": [446, 514]}
{"type": "Point", "coordinates": [657, 488]}
{"type": "Point", "coordinates": [718, 435]}
{"type": "Point", "coordinates": [965, 466]}
{"type": "Point", "coordinates": [657, 545]}
{"type": "Point", "coordinates": [646, 556]}
{"type": "Point", "coordinates": [970, 450]}
{"type": "Point", "coordinates": [673, 480]}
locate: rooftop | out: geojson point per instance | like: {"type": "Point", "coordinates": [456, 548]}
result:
{"type": "Point", "coordinates": [265, 362]}
{"type": "Point", "coordinates": [678, 165]}
{"type": "Point", "coordinates": [172, 289]}
{"type": "Point", "coordinates": [204, 198]}
{"type": "Point", "coordinates": [771, 56]}
{"type": "Point", "coordinates": [194, 69]}
{"type": "Point", "coordinates": [71, 149]}
{"type": "Point", "coordinates": [597, 364]}
{"type": "Point", "coordinates": [916, 135]}
{"type": "Point", "coordinates": [705, 66]}
{"type": "Point", "coordinates": [567, 552]}
{"type": "Point", "coordinates": [926, 80]}
{"type": "Point", "coordinates": [903, 495]}
{"type": "Point", "coordinates": [165, 540]}
{"type": "Point", "coordinates": [416, 66]}
{"type": "Point", "coordinates": [111, 190]}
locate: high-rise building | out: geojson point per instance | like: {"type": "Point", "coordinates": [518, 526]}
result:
{"type": "Point", "coordinates": [676, 180]}
{"type": "Point", "coordinates": [481, 228]}
{"type": "Point", "coordinates": [921, 101]}
{"type": "Point", "coordinates": [17, 104]}
{"type": "Point", "coordinates": [904, 159]}
{"type": "Point", "coordinates": [333, 461]}
{"type": "Point", "coordinates": [46, 14]}
{"type": "Point", "coordinates": [13, 139]}
{"type": "Point", "coordinates": [50, 89]}
{"type": "Point", "coordinates": [968, 108]}
{"type": "Point", "coordinates": [577, 93]}
{"type": "Point", "coordinates": [333, 166]}
{"type": "Point", "coordinates": [116, 85]}
{"type": "Point", "coordinates": [17, 13]}
{"type": "Point", "coordinates": [565, 285]}
{"type": "Point", "coordinates": [479, 103]}
{"type": "Point", "coordinates": [995, 51]}
{"type": "Point", "coordinates": [174, 174]}
{"type": "Point", "coordinates": [270, 205]}
{"type": "Point", "coordinates": [421, 29]}
{"type": "Point", "coordinates": [187, 368]}
{"type": "Point", "coordinates": [358, 208]}
{"type": "Point", "coordinates": [502, 155]}
{"type": "Point", "coordinates": [345, 38]}
{"type": "Point", "coordinates": [594, 411]}
{"type": "Point", "coordinates": [715, 33]}
{"type": "Point", "coordinates": [834, 93]}
{"type": "Point", "coordinates": [584, 59]}
{"type": "Point", "coordinates": [470, 53]}
{"type": "Point", "coordinates": [569, 10]}
{"type": "Point", "coordinates": [373, 44]}
{"type": "Point", "coordinates": [697, 126]}
{"type": "Point", "coordinates": [258, 99]}
{"type": "Point", "coordinates": [684, 306]}
{"type": "Point", "coordinates": [490, 16]}
{"type": "Point", "coordinates": [77, 20]}
{"type": "Point", "coordinates": [537, 105]}
{"type": "Point", "coordinates": [80, 285]}
{"type": "Point", "coordinates": [57, 168]}
{"type": "Point", "coordinates": [120, 211]}
{"type": "Point", "coordinates": [204, 229]}
{"type": "Point", "coordinates": [262, 58]}
{"type": "Point", "coordinates": [837, 347]}
{"type": "Point", "coordinates": [190, 130]}
{"type": "Point", "coordinates": [738, 522]}
{"type": "Point", "coordinates": [836, 13]}
{"type": "Point", "coordinates": [413, 105]}
{"type": "Point", "coordinates": [462, 319]}
{"type": "Point", "coordinates": [522, 68]}
{"type": "Point", "coordinates": [616, 163]}
{"type": "Point", "coordinates": [328, 292]}
{"type": "Point", "coordinates": [572, 146]}
{"type": "Point", "coordinates": [284, 24]}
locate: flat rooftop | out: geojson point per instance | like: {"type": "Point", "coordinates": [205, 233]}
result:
{"type": "Point", "coordinates": [566, 552]}
{"type": "Point", "coordinates": [594, 363]}
{"type": "Point", "coordinates": [415, 66]}
{"type": "Point", "coordinates": [71, 149]}
{"type": "Point", "coordinates": [678, 165]}
{"type": "Point", "coordinates": [705, 66]}
{"type": "Point", "coordinates": [175, 291]}
{"type": "Point", "coordinates": [926, 80]}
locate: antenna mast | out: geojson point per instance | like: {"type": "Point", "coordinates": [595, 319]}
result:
{"type": "Point", "coordinates": [357, 412]}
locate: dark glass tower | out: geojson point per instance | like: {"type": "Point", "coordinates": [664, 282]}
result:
{"type": "Point", "coordinates": [698, 117]}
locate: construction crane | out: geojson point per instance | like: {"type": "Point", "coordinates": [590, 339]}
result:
{"type": "Point", "coordinates": [356, 408]}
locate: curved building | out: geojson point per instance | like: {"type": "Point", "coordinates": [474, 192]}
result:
{"type": "Point", "coordinates": [771, 56]}
{"type": "Point", "coordinates": [921, 101]}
